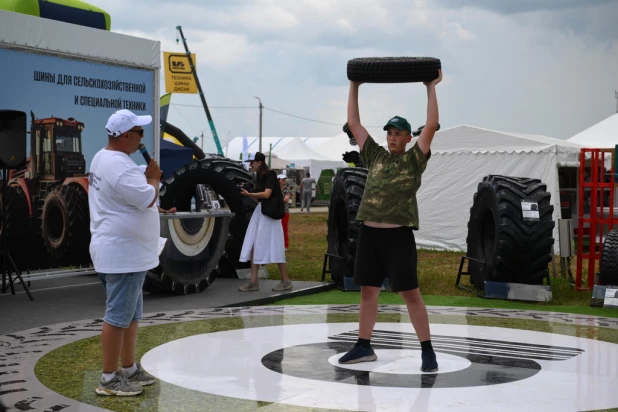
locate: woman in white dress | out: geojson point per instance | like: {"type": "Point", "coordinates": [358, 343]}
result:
{"type": "Point", "coordinates": [263, 242]}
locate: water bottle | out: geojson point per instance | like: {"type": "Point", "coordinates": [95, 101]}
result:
{"type": "Point", "coordinates": [193, 204]}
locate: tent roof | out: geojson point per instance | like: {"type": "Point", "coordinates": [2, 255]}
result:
{"type": "Point", "coordinates": [296, 149]}
{"type": "Point", "coordinates": [603, 135]}
{"type": "Point", "coordinates": [335, 147]}
{"type": "Point", "coordinates": [234, 146]}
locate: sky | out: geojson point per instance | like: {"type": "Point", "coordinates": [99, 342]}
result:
{"type": "Point", "coordinates": [546, 67]}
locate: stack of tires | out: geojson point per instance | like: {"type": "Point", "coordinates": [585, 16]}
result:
{"type": "Point", "coordinates": [346, 196]}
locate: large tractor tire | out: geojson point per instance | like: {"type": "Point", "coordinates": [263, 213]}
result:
{"type": "Point", "coordinates": [65, 223]}
{"type": "Point", "coordinates": [17, 219]}
{"type": "Point", "coordinates": [241, 206]}
{"type": "Point", "coordinates": [346, 196]}
{"type": "Point", "coordinates": [393, 69]}
{"type": "Point", "coordinates": [510, 247]}
{"type": "Point", "coordinates": [199, 249]}
{"type": "Point", "coordinates": [608, 270]}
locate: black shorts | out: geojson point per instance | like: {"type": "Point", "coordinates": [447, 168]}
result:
{"type": "Point", "coordinates": [384, 253]}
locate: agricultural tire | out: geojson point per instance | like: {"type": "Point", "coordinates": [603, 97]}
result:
{"type": "Point", "coordinates": [17, 219]}
{"type": "Point", "coordinates": [511, 248]}
{"type": "Point", "coordinates": [346, 196]}
{"type": "Point", "coordinates": [608, 270]}
{"type": "Point", "coordinates": [196, 252]}
{"type": "Point", "coordinates": [65, 223]}
{"type": "Point", "coordinates": [393, 69]}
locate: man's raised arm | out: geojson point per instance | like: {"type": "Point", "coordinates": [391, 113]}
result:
{"type": "Point", "coordinates": [424, 140]}
{"type": "Point", "coordinates": [358, 131]}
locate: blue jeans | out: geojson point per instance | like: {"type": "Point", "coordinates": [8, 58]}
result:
{"type": "Point", "coordinates": [125, 299]}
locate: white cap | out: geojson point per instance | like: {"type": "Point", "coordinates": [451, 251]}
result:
{"type": "Point", "coordinates": [282, 176]}
{"type": "Point", "coordinates": [124, 120]}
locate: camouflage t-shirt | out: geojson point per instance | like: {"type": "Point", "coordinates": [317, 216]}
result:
{"type": "Point", "coordinates": [392, 183]}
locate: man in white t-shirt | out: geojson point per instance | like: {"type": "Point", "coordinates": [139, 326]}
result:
{"type": "Point", "coordinates": [124, 222]}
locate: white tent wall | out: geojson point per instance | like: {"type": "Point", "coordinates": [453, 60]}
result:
{"type": "Point", "coordinates": [450, 181]}
{"type": "Point", "coordinates": [298, 153]}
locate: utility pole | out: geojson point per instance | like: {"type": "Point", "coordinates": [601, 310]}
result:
{"type": "Point", "coordinates": [202, 140]}
{"type": "Point", "coordinates": [260, 149]}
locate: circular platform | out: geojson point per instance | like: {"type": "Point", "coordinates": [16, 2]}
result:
{"type": "Point", "coordinates": [285, 357]}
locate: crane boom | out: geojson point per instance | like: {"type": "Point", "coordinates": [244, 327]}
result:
{"type": "Point", "coordinates": [199, 88]}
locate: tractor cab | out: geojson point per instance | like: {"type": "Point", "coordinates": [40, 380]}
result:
{"type": "Point", "coordinates": [56, 149]}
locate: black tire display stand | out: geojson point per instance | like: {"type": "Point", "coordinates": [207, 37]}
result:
{"type": "Point", "coordinates": [7, 265]}
{"type": "Point", "coordinates": [506, 290]}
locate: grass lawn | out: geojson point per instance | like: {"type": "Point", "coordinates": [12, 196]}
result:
{"type": "Point", "coordinates": [437, 275]}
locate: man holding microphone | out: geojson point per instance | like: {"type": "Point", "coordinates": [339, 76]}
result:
{"type": "Point", "coordinates": [124, 222]}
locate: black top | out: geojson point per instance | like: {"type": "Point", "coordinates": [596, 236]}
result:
{"type": "Point", "coordinates": [269, 181]}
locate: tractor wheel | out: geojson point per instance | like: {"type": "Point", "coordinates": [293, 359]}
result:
{"type": "Point", "coordinates": [393, 69]}
{"type": "Point", "coordinates": [65, 223]}
{"type": "Point", "coordinates": [346, 196]}
{"type": "Point", "coordinates": [513, 245]}
{"type": "Point", "coordinates": [196, 248]}
{"type": "Point", "coordinates": [80, 254]}
{"type": "Point", "coordinates": [608, 270]}
{"type": "Point", "coordinates": [17, 219]}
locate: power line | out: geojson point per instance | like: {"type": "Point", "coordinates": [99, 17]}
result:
{"type": "Point", "coordinates": [186, 120]}
{"type": "Point", "coordinates": [309, 120]}
{"type": "Point", "coordinates": [215, 107]}
{"type": "Point", "coordinates": [272, 110]}
{"type": "Point", "coordinates": [302, 118]}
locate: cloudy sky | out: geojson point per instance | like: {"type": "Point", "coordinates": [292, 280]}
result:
{"type": "Point", "coordinates": [528, 66]}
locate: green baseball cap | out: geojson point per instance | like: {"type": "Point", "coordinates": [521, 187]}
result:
{"type": "Point", "coordinates": [399, 123]}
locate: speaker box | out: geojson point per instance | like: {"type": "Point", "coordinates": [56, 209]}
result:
{"type": "Point", "coordinates": [12, 139]}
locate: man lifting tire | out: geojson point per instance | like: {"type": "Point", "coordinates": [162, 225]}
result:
{"type": "Point", "coordinates": [386, 245]}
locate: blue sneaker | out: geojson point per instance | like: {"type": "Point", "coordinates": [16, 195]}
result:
{"type": "Point", "coordinates": [429, 362]}
{"type": "Point", "coordinates": [358, 354]}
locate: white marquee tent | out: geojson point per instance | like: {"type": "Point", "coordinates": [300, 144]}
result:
{"type": "Point", "coordinates": [461, 157]}
{"type": "Point", "coordinates": [335, 147]}
{"type": "Point", "coordinates": [234, 147]}
{"type": "Point", "coordinates": [603, 135]}
{"type": "Point", "coordinates": [301, 155]}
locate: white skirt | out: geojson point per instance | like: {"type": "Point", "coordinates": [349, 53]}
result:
{"type": "Point", "coordinates": [265, 236]}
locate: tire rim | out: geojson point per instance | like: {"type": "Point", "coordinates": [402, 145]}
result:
{"type": "Point", "coordinates": [55, 223]}
{"type": "Point", "coordinates": [488, 234]}
{"type": "Point", "coordinates": [189, 238]}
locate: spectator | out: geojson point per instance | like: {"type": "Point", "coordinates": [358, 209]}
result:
{"type": "Point", "coordinates": [286, 198]}
{"type": "Point", "coordinates": [263, 242]}
{"type": "Point", "coordinates": [306, 192]}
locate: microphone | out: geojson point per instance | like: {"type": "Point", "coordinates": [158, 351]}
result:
{"type": "Point", "coordinates": [142, 149]}
{"type": "Point", "coordinates": [147, 158]}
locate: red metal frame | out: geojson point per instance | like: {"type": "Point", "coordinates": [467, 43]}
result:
{"type": "Point", "coordinates": [597, 220]}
